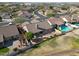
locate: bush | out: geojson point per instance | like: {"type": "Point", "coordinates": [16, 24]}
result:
{"type": "Point", "coordinates": [3, 50]}
{"type": "Point", "coordinates": [29, 35]}
{"type": "Point", "coordinates": [15, 49]}
{"type": "Point", "coordinates": [36, 46]}
{"type": "Point", "coordinates": [51, 36]}
{"type": "Point", "coordinates": [50, 15]}
{"type": "Point", "coordinates": [19, 20]}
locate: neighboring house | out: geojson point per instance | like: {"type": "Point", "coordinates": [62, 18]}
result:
{"type": "Point", "coordinates": [6, 17]}
{"type": "Point", "coordinates": [74, 8]}
{"type": "Point", "coordinates": [55, 21]}
{"type": "Point", "coordinates": [25, 14]}
{"type": "Point", "coordinates": [38, 28]}
{"type": "Point", "coordinates": [70, 19]}
{"type": "Point", "coordinates": [59, 24]}
{"type": "Point", "coordinates": [3, 23]}
{"type": "Point", "coordinates": [67, 18]}
{"type": "Point", "coordinates": [8, 32]}
{"type": "Point", "coordinates": [75, 18]}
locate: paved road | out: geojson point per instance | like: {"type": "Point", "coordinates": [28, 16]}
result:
{"type": "Point", "coordinates": [62, 53]}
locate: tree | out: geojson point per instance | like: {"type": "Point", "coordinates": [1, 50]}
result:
{"type": "Point", "coordinates": [65, 7]}
{"type": "Point", "coordinates": [31, 10]}
{"type": "Point", "coordinates": [50, 7]}
{"type": "Point", "coordinates": [29, 36]}
{"type": "Point", "coordinates": [0, 19]}
{"type": "Point", "coordinates": [40, 7]}
{"type": "Point", "coordinates": [19, 20]}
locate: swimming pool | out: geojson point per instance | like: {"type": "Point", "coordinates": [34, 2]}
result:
{"type": "Point", "coordinates": [65, 28]}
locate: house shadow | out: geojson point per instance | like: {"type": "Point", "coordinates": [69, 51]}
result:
{"type": "Point", "coordinates": [8, 43]}
{"type": "Point", "coordinates": [40, 37]}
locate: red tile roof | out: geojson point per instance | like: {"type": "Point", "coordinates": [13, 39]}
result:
{"type": "Point", "coordinates": [56, 21]}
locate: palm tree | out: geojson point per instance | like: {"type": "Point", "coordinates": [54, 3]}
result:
{"type": "Point", "coordinates": [29, 36]}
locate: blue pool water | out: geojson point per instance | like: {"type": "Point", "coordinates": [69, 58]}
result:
{"type": "Point", "coordinates": [65, 28]}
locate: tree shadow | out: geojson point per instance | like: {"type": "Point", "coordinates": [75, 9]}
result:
{"type": "Point", "coordinates": [37, 40]}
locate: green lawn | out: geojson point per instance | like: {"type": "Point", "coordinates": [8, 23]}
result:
{"type": "Point", "coordinates": [75, 42]}
{"type": "Point", "coordinates": [4, 50]}
{"type": "Point", "coordinates": [51, 45]}
{"type": "Point", "coordinates": [50, 15]}
{"type": "Point", "coordinates": [44, 47]}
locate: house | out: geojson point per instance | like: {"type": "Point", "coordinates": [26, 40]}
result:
{"type": "Point", "coordinates": [6, 17]}
{"type": "Point", "coordinates": [67, 18]}
{"type": "Point", "coordinates": [74, 8]}
{"type": "Point", "coordinates": [70, 19]}
{"type": "Point", "coordinates": [8, 32]}
{"type": "Point", "coordinates": [55, 21]}
{"type": "Point", "coordinates": [38, 28]}
{"type": "Point", "coordinates": [3, 23]}
{"type": "Point", "coordinates": [75, 18]}
{"type": "Point", "coordinates": [24, 13]}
